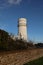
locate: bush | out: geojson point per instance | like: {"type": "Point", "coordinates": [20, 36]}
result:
{"type": "Point", "coordinates": [7, 43]}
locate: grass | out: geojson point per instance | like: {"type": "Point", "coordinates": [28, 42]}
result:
{"type": "Point", "coordinates": [36, 62]}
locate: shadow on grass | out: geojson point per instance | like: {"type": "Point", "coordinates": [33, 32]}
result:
{"type": "Point", "coordinates": [36, 62]}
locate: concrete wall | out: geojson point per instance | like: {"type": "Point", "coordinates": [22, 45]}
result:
{"type": "Point", "coordinates": [22, 28]}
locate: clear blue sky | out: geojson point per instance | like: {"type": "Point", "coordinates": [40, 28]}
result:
{"type": "Point", "coordinates": [11, 10]}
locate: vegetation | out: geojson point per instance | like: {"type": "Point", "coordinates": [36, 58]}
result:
{"type": "Point", "coordinates": [7, 43]}
{"type": "Point", "coordinates": [5, 40]}
{"type": "Point", "coordinates": [36, 62]}
{"type": "Point", "coordinates": [39, 45]}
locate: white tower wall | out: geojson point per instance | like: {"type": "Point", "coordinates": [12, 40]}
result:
{"type": "Point", "coordinates": [22, 28]}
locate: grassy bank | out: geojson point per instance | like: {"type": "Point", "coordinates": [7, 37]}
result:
{"type": "Point", "coordinates": [36, 62]}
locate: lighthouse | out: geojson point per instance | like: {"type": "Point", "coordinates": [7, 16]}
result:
{"type": "Point", "coordinates": [22, 28]}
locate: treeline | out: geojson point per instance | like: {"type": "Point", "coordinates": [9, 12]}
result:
{"type": "Point", "coordinates": [7, 43]}
{"type": "Point", "coordinates": [39, 45]}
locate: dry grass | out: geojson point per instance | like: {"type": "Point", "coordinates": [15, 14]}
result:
{"type": "Point", "coordinates": [19, 57]}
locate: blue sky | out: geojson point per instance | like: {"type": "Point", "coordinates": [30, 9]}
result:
{"type": "Point", "coordinates": [11, 10]}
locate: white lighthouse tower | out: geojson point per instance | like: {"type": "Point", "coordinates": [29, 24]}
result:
{"type": "Point", "coordinates": [22, 28]}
